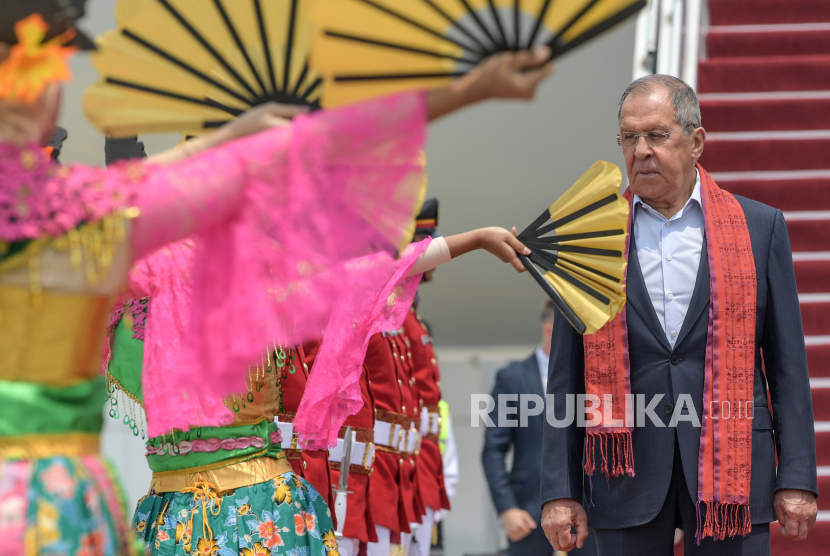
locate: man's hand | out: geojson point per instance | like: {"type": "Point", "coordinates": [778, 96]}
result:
{"type": "Point", "coordinates": [796, 511]}
{"type": "Point", "coordinates": [517, 523]}
{"type": "Point", "coordinates": [559, 517]}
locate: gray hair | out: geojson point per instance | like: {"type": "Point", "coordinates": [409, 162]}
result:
{"type": "Point", "coordinates": [683, 98]}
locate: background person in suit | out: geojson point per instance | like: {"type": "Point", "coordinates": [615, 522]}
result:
{"type": "Point", "coordinates": [677, 215]}
{"type": "Point", "coordinates": [516, 492]}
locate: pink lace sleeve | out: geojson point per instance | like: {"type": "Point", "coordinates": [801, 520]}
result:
{"type": "Point", "coordinates": [379, 294]}
{"type": "Point", "coordinates": [273, 219]}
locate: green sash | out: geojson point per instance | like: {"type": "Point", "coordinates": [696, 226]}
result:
{"type": "Point", "coordinates": [30, 408]}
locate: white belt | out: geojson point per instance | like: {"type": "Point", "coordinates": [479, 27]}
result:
{"type": "Point", "coordinates": [289, 439]}
{"type": "Point", "coordinates": [410, 442]}
{"type": "Point", "coordinates": [387, 434]}
{"type": "Point", "coordinates": [430, 422]}
{"type": "Point", "coordinates": [362, 454]}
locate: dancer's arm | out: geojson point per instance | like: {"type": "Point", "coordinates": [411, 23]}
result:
{"type": "Point", "coordinates": [253, 121]}
{"type": "Point", "coordinates": [505, 75]}
{"type": "Point", "coordinates": [497, 241]}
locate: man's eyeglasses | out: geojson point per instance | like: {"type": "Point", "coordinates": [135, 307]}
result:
{"type": "Point", "coordinates": [653, 138]}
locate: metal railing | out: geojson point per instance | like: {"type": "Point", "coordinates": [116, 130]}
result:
{"type": "Point", "coordinates": [668, 39]}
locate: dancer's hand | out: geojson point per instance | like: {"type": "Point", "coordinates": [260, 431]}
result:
{"type": "Point", "coordinates": [796, 511]}
{"type": "Point", "coordinates": [559, 517]}
{"type": "Point", "coordinates": [504, 245]}
{"type": "Point", "coordinates": [510, 74]}
{"type": "Point", "coordinates": [514, 75]}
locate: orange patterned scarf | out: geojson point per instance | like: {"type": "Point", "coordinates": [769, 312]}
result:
{"type": "Point", "coordinates": [725, 457]}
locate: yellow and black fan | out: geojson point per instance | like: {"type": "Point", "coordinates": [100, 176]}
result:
{"type": "Point", "coordinates": [190, 66]}
{"type": "Point", "coordinates": [579, 245]}
{"type": "Point", "coordinates": [368, 48]}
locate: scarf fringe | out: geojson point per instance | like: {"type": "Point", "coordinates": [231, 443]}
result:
{"type": "Point", "coordinates": [722, 520]}
{"type": "Point", "coordinates": [616, 449]}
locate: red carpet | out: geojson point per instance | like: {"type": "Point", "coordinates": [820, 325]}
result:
{"type": "Point", "coordinates": [821, 410]}
{"type": "Point", "coordinates": [784, 194]}
{"type": "Point", "coordinates": [812, 276]}
{"type": "Point", "coordinates": [818, 358]}
{"type": "Point", "coordinates": [763, 12]}
{"type": "Point", "coordinates": [772, 73]}
{"type": "Point", "coordinates": [765, 114]}
{"type": "Point", "coordinates": [734, 41]}
{"type": "Point", "coordinates": [816, 323]}
{"type": "Point", "coordinates": [765, 99]}
{"type": "Point", "coordinates": [752, 152]}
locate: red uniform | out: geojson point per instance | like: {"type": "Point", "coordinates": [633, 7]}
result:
{"type": "Point", "coordinates": [360, 523]}
{"type": "Point", "coordinates": [392, 486]}
{"type": "Point", "coordinates": [312, 465]}
{"type": "Point", "coordinates": [430, 468]}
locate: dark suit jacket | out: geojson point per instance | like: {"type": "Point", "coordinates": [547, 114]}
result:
{"type": "Point", "coordinates": [657, 369]}
{"type": "Point", "coordinates": [520, 487]}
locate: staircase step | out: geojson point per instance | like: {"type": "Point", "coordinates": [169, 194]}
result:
{"type": "Point", "coordinates": [812, 276]}
{"type": "Point", "coordinates": [818, 361]}
{"type": "Point", "coordinates": [822, 441]}
{"type": "Point", "coordinates": [815, 309]}
{"type": "Point", "coordinates": [809, 235]}
{"type": "Point", "coordinates": [764, 151]}
{"type": "Point", "coordinates": [768, 40]}
{"type": "Point", "coordinates": [806, 190]}
{"type": "Point", "coordinates": [824, 487]}
{"type": "Point", "coordinates": [770, 73]}
{"type": "Point", "coordinates": [765, 111]}
{"type": "Point", "coordinates": [821, 412]}
{"type": "Point", "coordinates": [760, 12]}
{"type": "Point", "coordinates": [815, 545]}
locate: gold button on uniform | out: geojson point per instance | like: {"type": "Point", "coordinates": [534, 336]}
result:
{"type": "Point", "coordinates": [400, 383]}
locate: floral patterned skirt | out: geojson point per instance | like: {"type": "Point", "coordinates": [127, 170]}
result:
{"type": "Point", "coordinates": [62, 505]}
{"type": "Point", "coordinates": [284, 516]}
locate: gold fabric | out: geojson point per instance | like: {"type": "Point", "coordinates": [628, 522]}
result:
{"type": "Point", "coordinates": [58, 343]}
{"type": "Point", "coordinates": [237, 475]}
{"type": "Point", "coordinates": [263, 388]}
{"type": "Point", "coordinates": [40, 446]}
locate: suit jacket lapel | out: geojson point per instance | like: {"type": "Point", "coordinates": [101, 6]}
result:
{"type": "Point", "coordinates": [638, 297]}
{"type": "Point", "coordinates": [700, 295]}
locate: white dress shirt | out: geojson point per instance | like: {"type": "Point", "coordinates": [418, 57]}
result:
{"type": "Point", "coordinates": [543, 359]}
{"type": "Point", "coordinates": [669, 255]}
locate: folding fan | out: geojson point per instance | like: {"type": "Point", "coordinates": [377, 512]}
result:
{"type": "Point", "coordinates": [368, 48]}
{"type": "Point", "coordinates": [579, 245]}
{"type": "Point", "coordinates": [189, 66]}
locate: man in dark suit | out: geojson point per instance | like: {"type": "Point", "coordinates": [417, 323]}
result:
{"type": "Point", "coordinates": [516, 492]}
{"type": "Point", "coordinates": [668, 307]}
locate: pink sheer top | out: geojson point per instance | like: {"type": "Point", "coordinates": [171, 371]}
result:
{"type": "Point", "coordinates": [272, 221]}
